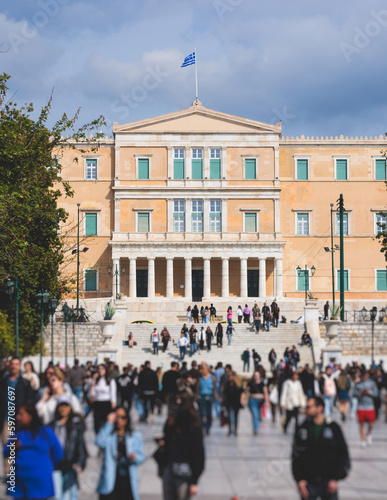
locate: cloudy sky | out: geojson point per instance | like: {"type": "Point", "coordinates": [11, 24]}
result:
{"type": "Point", "coordinates": [320, 67]}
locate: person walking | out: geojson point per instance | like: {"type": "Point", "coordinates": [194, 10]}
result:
{"type": "Point", "coordinates": [207, 395]}
{"type": "Point", "coordinates": [148, 385]}
{"type": "Point", "coordinates": [125, 386]}
{"type": "Point", "coordinates": [239, 314]}
{"type": "Point", "coordinates": [169, 383]}
{"type": "Point", "coordinates": [37, 453]}
{"type": "Point", "coordinates": [328, 390]}
{"type": "Point", "coordinates": [219, 335]}
{"type": "Point", "coordinates": [209, 337]}
{"type": "Point", "coordinates": [103, 396]}
{"type": "Point", "coordinates": [30, 375]}
{"type": "Point", "coordinates": [272, 359]}
{"type": "Point", "coordinates": [343, 387]}
{"type": "Point", "coordinates": [212, 314]}
{"type": "Point", "coordinates": [320, 455]}
{"type": "Point", "coordinates": [123, 453]}
{"type": "Point", "coordinates": [326, 310]}
{"type": "Point", "coordinates": [232, 401]}
{"type": "Point", "coordinates": [246, 359]}
{"type": "Point", "coordinates": [275, 311]}
{"type": "Point", "coordinates": [257, 317]}
{"type": "Point", "coordinates": [258, 394]}
{"type": "Point", "coordinates": [155, 339]}
{"type": "Point", "coordinates": [365, 392]}
{"type": "Point", "coordinates": [292, 399]}
{"type": "Point", "coordinates": [201, 338]}
{"type": "Point", "coordinates": [69, 429]}
{"type": "Point", "coordinates": [192, 340]}
{"type": "Point", "coordinates": [267, 319]}
{"type": "Point", "coordinates": [76, 377]}
{"type": "Point", "coordinates": [183, 450]}
{"type": "Point", "coordinates": [230, 330]}
{"type": "Point", "coordinates": [229, 315]}
{"type": "Point", "coordinates": [256, 359]}
{"type": "Point", "coordinates": [165, 338]}
{"type": "Point", "coordinates": [189, 314]}
{"type": "Point", "coordinates": [182, 345]}
{"type": "Point", "coordinates": [246, 314]}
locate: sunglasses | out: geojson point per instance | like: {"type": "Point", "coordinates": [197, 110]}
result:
{"type": "Point", "coordinates": [121, 417]}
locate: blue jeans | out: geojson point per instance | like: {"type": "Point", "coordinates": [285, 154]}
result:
{"type": "Point", "coordinates": [246, 363]}
{"type": "Point", "coordinates": [255, 408]}
{"type": "Point", "coordinates": [205, 410]}
{"type": "Point", "coordinates": [69, 494]}
{"type": "Point", "coordinates": [155, 347]}
{"type": "Point", "coordinates": [329, 403]}
{"type": "Point", "coordinates": [320, 491]}
{"type": "Point", "coordinates": [78, 391]}
{"type": "Point", "coordinates": [193, 349]}
{"type": "Point", "coordinates": [229, 338]}
{"type": "Point", "coordinates": [182, 352]}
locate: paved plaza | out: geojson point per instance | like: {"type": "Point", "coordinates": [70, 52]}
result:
{"type": "Point", "coordinates": [252, 467]}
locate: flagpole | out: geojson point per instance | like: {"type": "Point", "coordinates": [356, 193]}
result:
{"type": "Point", "coordinates": [196, 74]}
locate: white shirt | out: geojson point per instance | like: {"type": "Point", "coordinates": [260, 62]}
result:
{"type": "Point", "coordinates": [292, 395]}
{"type": "Point", "coordinates": [182, 342]}
{"type": "Point", "coordinates": [105, 392]}
{"type": "Point", "coordinates": [46, 409]}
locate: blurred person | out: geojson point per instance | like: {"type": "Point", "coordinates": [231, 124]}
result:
{"type": "Point", "coordinates": [212, 313]}
{"type": "Point", "coordinates": [366, 391]}
{"type": "Point", "coordinates": [75, 378]}
{"type": "Point", "coordinates": [123, 453]}
{"type": "Point", "coordinates": [169, 384]}
{"type": "Point", "coordinates": [239, 314]}
{"type": "Point", "coordinates": [292, 399]}
{"type": "Point", "coordinates": [207, 395]}
{"type": "Point", "coordinates": [182, 345]}
{"type": "Point", "coordinates": [125, 387]}
{"type": "Point", "coordinates": [209, 337]}
{"type": "Point", "coordinates": [328, 390]}
{"type": "Point", "coordinates": [343, 387]}
{"type": "Point", "coordinates": [258, 395]}
{"type": "Point", "coordinates": [148, 385]}
{"type": "Point", "coordinates": [31, 375]}
{"type": "Point", "coordinates": [246, 314]}
{"type": "Point", "coordinates": [246, 355]}
{"type": "Point", "coordinates": [219, 335]}
{"type": "Point", "coordinates": [165, 338]}
{"type": "Point", "coordinates": [69, 429]}
{"type": "Point", "coordinates": [103, 396]}
{"type": "Point", "coordinates": [272, 359]}
{"type": "Point", "coordinates": [232, 401]}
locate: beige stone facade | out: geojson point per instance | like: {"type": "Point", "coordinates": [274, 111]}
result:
{"type": "Point", "coordinates": [200, 205]}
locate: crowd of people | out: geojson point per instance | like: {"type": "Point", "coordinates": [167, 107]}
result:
{"type": "Point", "coordinates": [51, 409]}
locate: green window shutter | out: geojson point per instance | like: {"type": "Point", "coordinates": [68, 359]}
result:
{"type": "Point", "coordinates": [302, 277]}
{"type": "Point", "coordinates": [90, 224]}
{"type": "Point", "coordinates": [341, 170]}
{"type": "Point", "coordinates": [197, 169]}
{"type": "Point", "coordinates": [381, 280]}
{"type": "Point", "coordinates": [302, 170]}
{"type": "Point", "coordinates": [178, 169]}
{"type": "Point", "coordinates": [143, 223]}
{"type": "Point", "coordinates": [90, 280]}
{"type": "Point", "coordinates": [250, 223]}
{"type": "Point", "coordinates": [214, 169]}
{"type": "Point", "coordinates": [380, 170]}
{"type": "Point", "coordinates": [250, 168]}
{"type": "Point", "coordinates": [143, 168]}
{"type": "Point", "coordinates": [345, 280]}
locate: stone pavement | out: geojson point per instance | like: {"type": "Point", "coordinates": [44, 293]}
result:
{"type": "Point", "coordinates": [252, 467]}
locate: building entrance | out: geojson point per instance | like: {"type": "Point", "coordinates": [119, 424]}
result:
{"type": "Point", "coordinates": [197, 285]}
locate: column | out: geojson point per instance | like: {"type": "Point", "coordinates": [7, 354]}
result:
{"type": "Point", "coordinates": [170, 162]}
{"type": "Point", "coordinates": [116, 277]}
{"type": "Point", "coordinates": [132, 278]}
{"type": "Point", "coordinates": [262, 277]}
{"type": "Point", "coordinates": [206, 163]}
{"type": "Point", "coordinates": [243, 290]}
{"type": "Point", "coordinates": [151, 278]}
{"type": "Point", "coordinates": [188, 163]}
{"type": "Point", "coordinates": [223, 164]}
{"type": "Point", "coordinates": [169, 278]}
{"type": "Point", "coordinates": [207, 278]}
{"type": "Point", "coordinates": [188, 279]}
{"type": "Point", "coordinates": [225, 277]}
{"type": "Point", "coordinates": [279, 280]}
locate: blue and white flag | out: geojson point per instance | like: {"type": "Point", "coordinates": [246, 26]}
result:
{"type": "Point", "coordinates": [189, 60]}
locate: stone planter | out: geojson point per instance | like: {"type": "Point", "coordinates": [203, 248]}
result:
{"type": "Point", "coordinates": [107, 327]}
{"type": "Point", "coordinates": [311, 302]}
{"type": "Point", "coordinates": [332, 329]}
{"type": "Point", "coordinates": [332, 351]}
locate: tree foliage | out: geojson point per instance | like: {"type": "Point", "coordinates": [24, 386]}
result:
{"type": "Point", "coordinates": [382, 235]}
{"type": "Point", "coordinates": [30, 187]}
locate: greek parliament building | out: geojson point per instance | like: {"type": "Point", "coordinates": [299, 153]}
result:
{"type": "Point", "coordinates": [202, 206]}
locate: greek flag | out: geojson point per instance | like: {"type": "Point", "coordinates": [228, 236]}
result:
{"type": "Point", "coordinates": [189, 60]}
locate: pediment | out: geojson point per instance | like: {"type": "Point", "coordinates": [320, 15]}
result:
{"type": "Point", "coordinates": [197, 119]}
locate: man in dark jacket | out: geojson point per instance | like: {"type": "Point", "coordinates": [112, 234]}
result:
{"type": "Point", "coordinates": [320, 455]}
{"type": "Point", "coordinates": [125, 387]}
{"type": "Point", "coordinates": [148, 385]}
{"type": "Point", "coordinates": [169, 383]}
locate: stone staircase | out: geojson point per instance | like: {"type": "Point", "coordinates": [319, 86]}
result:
{"type": "Point", "coordinates": [244, 336]}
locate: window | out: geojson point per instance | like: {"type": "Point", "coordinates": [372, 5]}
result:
{"type": "Point", "coordinates": [341, 169]}
{"type": "Point", "coordinates": [345, 224]}
{"type": "Point", "coordinates": [143, 168]}
{"type": "Point", "coordinates": [302, 169]}
{"type": "Point", "coordinates": [143, 222]}
{"type": "Point", "coordinates": [90, 226]}
{"type": "Point", "coordinates": [303, 280]}
{"type": "Point", "coordinates": [214, 163]}
{"type": "Point", "coordinates": [178, 164]}
{"type": "Point", "coordinates": [346, 286]}
{"type": "Point", "coordinates": [91, 169]}
{"type": "Point", "coordinates": [197, 216]}
{"type": "Point", "coordinates": [178, 216]}
{"type": "Point", "coordinates": [250, 168]}
{"type": "Point", "coordinates": [251, 222]}
{"type": "Point", "coordinates": [197, 164]}
{"type": "Point", "coordinates": [215, 216]}
{"type": "Point", "coordinates": [380, 170]}
{"type": "Point", "coordinates": [90, 280]}
{"type": "Point", "coordinates": [302, 224]}
{"type": "Point", "coordinates": [381, 280]}
{"type": "Point", "coordinates": [380, 221]}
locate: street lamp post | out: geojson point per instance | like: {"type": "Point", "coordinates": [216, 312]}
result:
{"type": "Point", "coordinates": [53, 303]}
{"type": "Point", "coordinates": [73, 316]}
{"type": "Point", "coordinates": [116, 273]}
{"type": "Point", "coordinates": [42, 299]}
{"type": "Point", "coordinates": [65, 310]}
{"type": "Point", "coordinates": [333, 260]}
{"type": "Point", "coordinates": [78, 205]}
{"type": "Point", "coordinates": [11, 289]}
{"type": "Point", "coordinates": [306, 277]}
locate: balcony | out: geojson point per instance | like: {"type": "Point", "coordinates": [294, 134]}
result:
{"type": "Point", "coordinates": [192, 237]}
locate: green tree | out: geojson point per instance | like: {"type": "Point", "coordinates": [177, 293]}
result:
{"type": "Point", "coordinates": [382, 235]}
{"type": "Point", "coordinates": [30, 187]}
